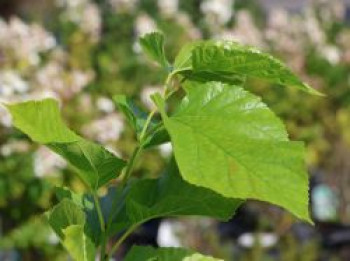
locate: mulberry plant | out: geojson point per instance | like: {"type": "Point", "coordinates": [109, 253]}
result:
{"type": "Point", "coordinates": [228, 147]}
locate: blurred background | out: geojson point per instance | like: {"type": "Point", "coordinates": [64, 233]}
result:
{"type": "Point", "coordinates": [85, 51]}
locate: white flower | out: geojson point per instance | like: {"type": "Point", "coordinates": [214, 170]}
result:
{"type": "Point", "coordinates": [166, 149]}
{"type": "Point", "coordinates": [168, 7]}
{"type": "Point", "coordinates": [105, 105]}
{"type": "Point", "coordinates": [219, 11]}
{"type": "Point", "coordinates": [244, 32]}
{"type": "Point", "coordinates": [24, 41]}
{"type": "Point", "coordinates": [11, 83]}
{"type": "Point", "coordinates": [91, 21]}
{"type": "Point", "coordinates": [105, 130]}
{"type": "Point", "coordinates": [146, 93]}
{"type": "Point", "coordinates": [331, 53]}
{"type": "Point", "coordinates": [5, 117]}
{"type": "Point", "coordinates": [144, 24]}
{"type": "Point", "coordinates": [16, 146]}
{"type": "Point", "coordinates": [85, 14]}
{"type": "Point", "coordinates": [47, 162]}
{"type": "Point", "coordinates": [313, 29]}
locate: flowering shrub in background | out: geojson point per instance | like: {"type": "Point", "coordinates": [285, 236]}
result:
{"type": "Point", "coordinates": [88, 52]}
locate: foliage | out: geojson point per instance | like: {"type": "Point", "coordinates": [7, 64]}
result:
{"type": "Point", "coordinates": [220, 133]}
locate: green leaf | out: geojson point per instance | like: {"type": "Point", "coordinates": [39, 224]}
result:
{"type": "Point", "coordinates": [183, 60]}
{"type": "Point", "coordinates": [170, 195]}
{"type": "Point", "coordinates": [159, 136]}
{"type": "Point", "coordinates": [86, 203]}
{"type": "Point", "coordinates": [135, 115]}
{"type": "Point", "coordinates": [137, 119]}
{"type": "Point", "coordinates": [68, 220]}
{"type": "Point", "coordinates": [80, 247]}
{"type": "Point", "coordinates": [183, 65]}
{"type": "Point", "coordinates": [227, 140]}
{"type": "Point", "coordinates": [153, 45]}
{"type": "Point", "coordinates": [65, 214]}
{"type": "Point", "coordinates": [41, 121]}
{"type": "Point", "coordinates": [147, 253]}
{"type": "Point", "coordinates": [231, 57]}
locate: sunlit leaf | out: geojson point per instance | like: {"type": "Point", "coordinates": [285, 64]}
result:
{"type": "Point", "coordinates": [227, 140]}
{"type": "Point", "coordinates": [41, 121]}
{"type": "Point", "coordinates": [153, 45]}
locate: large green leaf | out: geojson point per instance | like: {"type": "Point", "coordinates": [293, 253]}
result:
{"type": "Point", "coordinates": [225, 61]}
{"type": "Point", "coordinates": [146, 253]}
{"type": "Point", "coordinates": [41, 121]}
{"type": "Point", "coordinates": [80, 247]}
{"type": "Point", "coordinates": [226, 139]}
{"type": "Point", "coordinates": [170, 195]}
{"type": "Point", "coordinates": [68, 220]}
{"type": "Point", "coordinates": [153, 45]}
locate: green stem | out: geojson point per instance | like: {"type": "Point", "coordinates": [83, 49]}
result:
{"type": "Point", "coordinates": [99, 212]}
{"type": "Point", "coordinates": [126, 175]}
{"type": "Point", "coordinates": [130, 165]}
{"type": "Point", "coordinates": [121, 240]}
{"type": "Point", "coordinates": [102, 225]}
{"type": "Point", "coordinates": [145, 127]}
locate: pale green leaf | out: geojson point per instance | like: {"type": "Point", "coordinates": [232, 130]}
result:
{"type": "Point", "coordinates": [86, 203]}
{"type": "Point", "coordinates": [68, 220]}
{"type": "Point", "coordinates": [80, 247]}
{"type": "Point", "coordinates": [153, 45]}
{"type": "Point", "coordinates": [168, 196]}
{"type": "Point", "coordinates": [146, 253]}
{"type": "Point", "coordinates": [65, 214]}
{"type": "Point", "coordinates": [227, 140]}
{"type": "Point", "coordinates": [41, 121]}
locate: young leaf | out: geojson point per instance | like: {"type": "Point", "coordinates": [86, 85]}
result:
{"type": "Point", "coordinates": [68, 221]}
{"type": "Point", "coordinates": [137, 119]}
{"type": "Point", "coordinates": [86, 203]}
{"type": "Point", "coordinates": [153, 45]}
{"type": "Point", "coordinates": [41, 121]}
{"type": "Point", "coordinates": [227, 140]}
{"type": "Point", "coordinates": [134, 115]}
{"type": "Point", "coordinates": [80, 247]}
{"type": "Point", "coordinates": [183, 65]}
{"type": "Point", "coordinates": [63, 215]}
{"type": "Point", "coordinates": [183, 60]}
{"type": "Point", "coordinates": [147, 253]}
{"type": "Point", "coordinates": [170, 195]}
{"type": "Point", "coordinates": [231, 57]}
